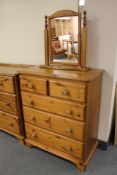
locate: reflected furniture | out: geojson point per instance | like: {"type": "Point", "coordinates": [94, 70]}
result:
{"type": "Point", "coordinates": [57, 50]}
{"type": "Point", "coordinates": [70, 52]}
{"type": "Point", "coordinates": [11, 119]}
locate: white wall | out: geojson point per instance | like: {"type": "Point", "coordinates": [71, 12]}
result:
{"type": "Point", "coordinates": [22, 28]}
{"type": "Point", "coordinates": [102, 42]}
{"type": "Point", "coordinates": [22, 41]}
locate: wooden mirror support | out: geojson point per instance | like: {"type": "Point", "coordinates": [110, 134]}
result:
{"type": "Point", "coordinates": [82, 41]}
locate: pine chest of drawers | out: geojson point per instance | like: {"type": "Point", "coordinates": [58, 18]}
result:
{"type": "Point", "coordinates": [61, 111]}
{"type": "Point", "coordinates": [11, 120]}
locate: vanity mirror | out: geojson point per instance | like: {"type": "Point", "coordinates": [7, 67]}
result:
{"type": "Point", "coordinates": [65, 40]}
{"type": "Point", "coordinates": [64, 35]}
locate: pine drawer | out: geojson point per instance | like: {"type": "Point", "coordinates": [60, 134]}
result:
{"type": "Point", "coordinates": [51, 139]}
{"type": "Point", "coordinates": [9, 123]}
{"type": "Point", "coordinates": [33, 84]}
{"type": "Point", "coordinates": [69, 91]}
{"type": "Point", "coordinates": [67, 127]}
{"type": "Point", "coordinates": [8, 103]}
{"type": "Point", "coordinates": [56, 106]}
{"type": "Point", "coordinates": [6, 84]}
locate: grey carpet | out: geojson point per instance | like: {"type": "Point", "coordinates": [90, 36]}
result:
{"type": "Point", "coordinates": [16, 159]}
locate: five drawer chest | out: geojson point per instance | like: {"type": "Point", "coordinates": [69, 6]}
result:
{"type": "Point", "coordinates": [61, 111]}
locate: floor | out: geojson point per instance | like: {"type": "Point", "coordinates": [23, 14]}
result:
{"type": "Point", "coordinates": [16, 159]}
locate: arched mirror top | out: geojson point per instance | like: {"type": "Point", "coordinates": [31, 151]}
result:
{"type": "Point", "coordinates": [63, 13]}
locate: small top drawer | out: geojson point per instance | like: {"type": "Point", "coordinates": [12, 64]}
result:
{"type": "Point", "coordinates": [6, 84]}
{"type": "Point", "coordinates": [70, 91]}
{"type": "Point", "coordinates": [33, 84]}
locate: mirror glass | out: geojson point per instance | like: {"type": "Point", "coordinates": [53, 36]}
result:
{"type": "Point", "coordinates": [64, 39]}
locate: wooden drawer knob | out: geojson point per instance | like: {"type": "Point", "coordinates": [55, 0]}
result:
{"type": "Point", "coordinates": [69, 130]}
{"type": "Point", "coordinates": [1, 83]}
{"type": "Point", "coordinates": [33, 135]}
{"type": "Point", "coordinates": [30, 102]}
{"type": "Point", "coordinates": [31, 86]}
{"type": "Point", "coordinates": [68, 148]}
{"type": "Point", "coordinates": [32, 118]}
{"type": "Point", "coordinates": [11, 125]}
{"type": "Point", "coordinates": [68, 111]}
{"type": "Point", "coordinates": [65, 92]}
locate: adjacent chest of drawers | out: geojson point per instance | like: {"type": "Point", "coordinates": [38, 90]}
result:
{"type": "Point", "coordinates": [61, 112]}
{"type": "Point", "coordinates": [11, 120]}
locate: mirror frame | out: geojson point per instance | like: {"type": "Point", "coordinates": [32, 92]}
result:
{"type": "Point", "coordinates": [82, 37]}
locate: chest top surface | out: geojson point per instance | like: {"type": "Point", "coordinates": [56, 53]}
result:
{"type": "Point", "coordinates": [11, 69]}
{"type": "Point", "coordinates": [63, 74]}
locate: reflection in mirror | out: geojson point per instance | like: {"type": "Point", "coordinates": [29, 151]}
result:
{"type": "Point", "coordinates": [64, 39]}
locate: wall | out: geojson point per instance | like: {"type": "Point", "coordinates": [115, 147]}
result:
{"type": "Point", "coordinates": [102, 42]}
{"type": "Point", "coordinates": [22, 28]}
{"type": "Point", "coordinates": [22, 41]}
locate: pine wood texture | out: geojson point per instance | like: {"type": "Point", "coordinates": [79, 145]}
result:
{"type": "Point", "coordinates": [32, 84]}
{"type": "Point", "coordinates": [67, 127]}
{"type": "Point", "coordinates": [6, 84]}
{"type": "Point", "coordinates": [65, 121]}
{"type": "Point", "coordinates": [55, 106]}
{"type": "Point", "coordinates": [56, 141]}
{"type": "Point", "coordinates": [84, 40]}
{"type": "Point", "coordinates": [11, 120]}
{"type": "Point", "coordinates": [8, 103]}
{"type": "Point", "coordinates": [69, 91]}
{"type": "Point", "coordinates": [56, 74]}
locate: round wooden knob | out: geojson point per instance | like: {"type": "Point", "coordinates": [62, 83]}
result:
{"type": "Point", "coordinates": [65, 92]}
{"type": "Point", "coordinates": [11, 125]}
{"type": "Point", "coordinates": [30, 102]}
{"type": "Point", "coordinates": [68, 111]}
{"type": "Point", "coordinates": [34, 135]}
{"type": "Point", "coordinates": [31, 86]}
{"type": "Point", "coordinates": [69, 130]}
{"type": "Point", "coordinates": [68, 148]}
{"type": "Point", "coordinates": [32, 118]}
{"type": "Point", "coordinates": [1, 83]}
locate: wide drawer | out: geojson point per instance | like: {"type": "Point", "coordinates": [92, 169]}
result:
{"type": "Point", "coordinates": [55, 106]}
{"type": "Point", "coordinates": [6, 84]}
{"type": "Point", "coordinates": [8, 103]}
{"type": "Point", "coordinates": [70, 91]}
{"type": "Point", "coordinates": [9, 122]}
{"type": "Point", "coordinates": [60, 125]}
{"type": "Point", "coordinates": [33, 84]}
{"type": "Point", "coordinates": [62, 143]}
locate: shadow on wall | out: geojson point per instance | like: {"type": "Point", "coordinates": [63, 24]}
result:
{"type": "Point", "coordinates": [92, 43]}
{"type": "Point", "coordinates": [105, 111]}
{"type": "Point", "coordinates": [94, 60]}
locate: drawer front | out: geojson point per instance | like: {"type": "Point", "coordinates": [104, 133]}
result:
{"type": "Point", "coordinates": [32, 84]}
{"type": "Point", "coordinates": [76, 92]}
{"type": "Point", "coordinates": [8, 103]}
{"type": "Point", "coordinates": [6, 84]}
{"type": "Point", "coordinates": [55, 106]}
{"type": "Point", "coordinates": [66, 127]}
{"type": "Point", "coordinates": [64, 144]}
{"type": "Point", "coordinates": [9, 122]}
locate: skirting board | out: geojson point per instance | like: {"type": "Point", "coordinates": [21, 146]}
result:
{"type": "Point", "coordinates": [103, 145]}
